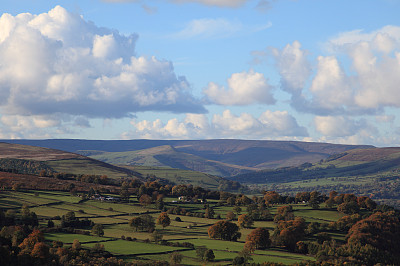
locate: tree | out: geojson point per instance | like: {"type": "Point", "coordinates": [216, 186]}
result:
{"type": "Point", "coordinates": [209, 255]}
{"type": "Point", "coordinates": [98, 230]}
{"type": "Point", "coordinates": [348, 207]}
{"type": "Point", "coordinates": [135, 222]}
{"type": "Point", "coordinates": [272, 197]}
{"type": "Point", "coordinates": [315, 200]}
{"type": "Point", "coordinates": [288, 233]}
{"type": "Point", "coordinates": [124, 193]}
{"type": "Point", "coordinates": [260, 238]}
{"type": "Point", "coordinates": [284, 213]}
{"type": "Point", "coordinates": [29, 242]}
{"type": "Point", "coordinates": [245, 221]}
{"type": "Point", "coordinates": [224, 230]}
{"type": "Point", "coordinates": [176, 258]}
{"type": "Point", "coordinates": [144, 222]}
{"type": "Point", "coordinates": [230, 216]}
{"type": "Point", "coordinates": [145, 200]}
{"type": "Point", "coordinates": [28, 217]}
{"type": "Point", "coordinates": [40, 250]}
{"type": "Point", "coordinates": [163, 219]}
{"type": "Point", "coordinates": [380, 230]}
{"type": "Point", "coordinates": [156, 236]}
{"type": "Point", "coordinates": [237, 209]}
{"type": "Point", "coordinates": [205, 254]}
{"type": "Point", "coordinates": [160, 204]}
{"type": "Point", "coordinates": [200, 252]}
{"type": "Point", "coordinates": [76, 245]}
{"type": "Point", "coordinates": [209, 213]}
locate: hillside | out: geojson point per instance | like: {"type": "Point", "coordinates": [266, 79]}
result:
{"type": "Point", "coordinates": [374, 172]}
{"type": "Point", "coordinates": [169, 157]}
{"type": "Point", "coordinates": [31, 160]}
{"type": "Point", "coordinates": [219, 157]}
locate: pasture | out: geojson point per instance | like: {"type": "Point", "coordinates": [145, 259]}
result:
{"type": "Point", "coordinates": [115, 219]}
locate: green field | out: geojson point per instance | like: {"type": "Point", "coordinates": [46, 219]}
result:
{"type": "Point", "coordinates": [115, 218]}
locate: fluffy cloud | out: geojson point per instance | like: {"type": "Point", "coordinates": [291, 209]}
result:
{"type": "Point", "coordinates": [337, 126]}
{"type": "Point", "coordinates": [365, 85]}
{"type": "Point", "coordinates": [58, 63]}
{"type": "Point", "coordinates": [384, 39]}
{"type": "Point", "coordinates": [278, 124]}
{"type": "Point", "coordinates": [39, 126]}
{"type": "Point", "coordinates": [243, 89]}
{"type": "Point", "coordinates": [341, 129]}
{"type": "Point", "coordinates": [293, 67]}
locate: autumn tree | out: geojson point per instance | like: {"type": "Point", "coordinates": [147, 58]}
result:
{"type": "Point", "coordinates": [288, 233]}
{"type": "Point", "coordinates": [259, 237]}
{"type": "Point", "coordinates": [29, 242]}
{"type": "Point", "coordinates": [41, 251]}
{"type": "Point", "coordinates": [284, 213]}
{"type": "Point", "coordinates": [245, 221]}
{"type": "Point", "coordinates": [230, 216]}
{"type": "Point", "coordinates": [272, 197]}
{"type": "Point", "coordinates": [76, 245]}
{"type": "Point", "coordinates": [224, 230]}
{"type": "Point", "coordinates": [348, 207]}
{"type": "Point", "coordinates": [346, 222]}
{"type": "Point", "coordinates": [145, 200]}
{"type": "Point", "coordinates": [380, 230]}
{"type": "Point", "coordinates": [163, 219]}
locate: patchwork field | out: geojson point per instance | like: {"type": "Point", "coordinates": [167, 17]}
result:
{"type": "Point", "coordinates": [115, 219]}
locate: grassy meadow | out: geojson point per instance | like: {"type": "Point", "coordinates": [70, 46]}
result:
{"type": "Point", "coordinates": [115, 219]}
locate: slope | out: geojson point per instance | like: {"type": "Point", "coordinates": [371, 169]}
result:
{"type": "Point", "coordinates": [225, 157]}
{"type": "Point", "coordinates": [168, 156]}
{"type": "Point", "coordinates": [31, 160]}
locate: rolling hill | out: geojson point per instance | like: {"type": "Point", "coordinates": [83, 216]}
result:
{"type": "Point", "coordinates": [30, 161]}
{"type": "Point", "coordinates": [24, 157]}
{"type": "Point", "coordinates": [373, 172]}
{"type": "Point", "coordinates": [225, 157]}
{"type": "Point", "coordinates": [357, 162]}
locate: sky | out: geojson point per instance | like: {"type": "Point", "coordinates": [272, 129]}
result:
{"type": "Point", "coordinates": [305, 70]}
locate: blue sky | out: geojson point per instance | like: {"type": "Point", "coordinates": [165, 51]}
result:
{"type": "Point", "coordinates": [308, 70]}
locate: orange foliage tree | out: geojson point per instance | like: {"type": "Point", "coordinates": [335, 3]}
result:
{"type": "Point", "coordinates": [224, 230]}
{"type": "Point", "coordinates": [259, 237]}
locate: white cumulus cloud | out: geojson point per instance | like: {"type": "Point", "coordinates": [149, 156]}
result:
{"type": "Point", "coordinates": [293, 66]}
{"type": "Point", "coordinates": [58, 63]}
{"type": "Point", "coordinates": [270, 125]}
{"type": "Point", "coordinates": [243, 89]}
{"type": "Point", "coordinates": [360, 76]}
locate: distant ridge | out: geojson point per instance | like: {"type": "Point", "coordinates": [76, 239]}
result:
{"type": "Point", "coordinates": [223, 157]}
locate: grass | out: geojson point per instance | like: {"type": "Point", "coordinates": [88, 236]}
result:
{"type": "Point", "coordinates": [190, 229]}
{"type": "Point", "coordinates": [123, 247]}
{"type": "Point", "coordinates": [69, 238]}
{"type": "Point", "coordinates": [85, 166]}
{"type": "Point", "coordinates": [179, 176]}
